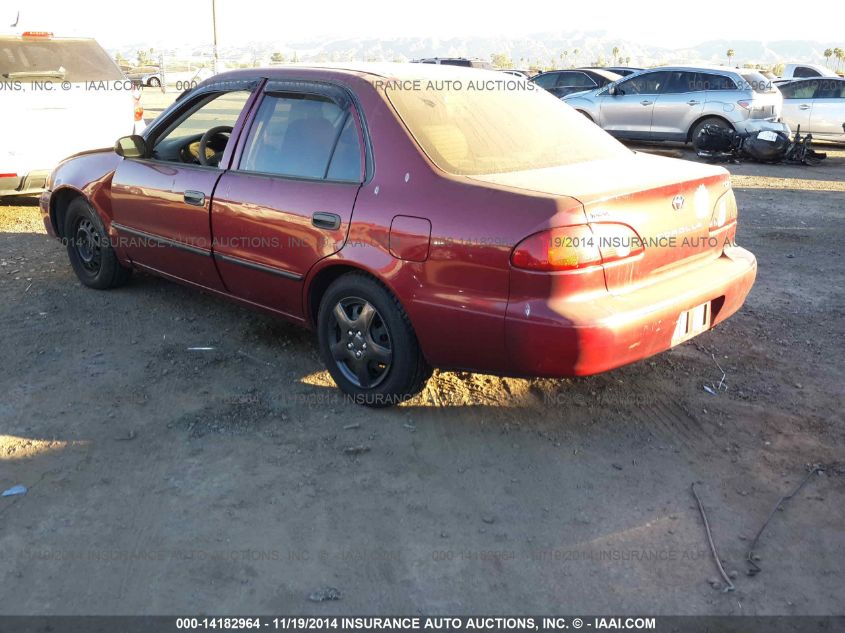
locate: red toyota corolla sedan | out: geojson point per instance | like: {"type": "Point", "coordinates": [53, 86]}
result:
{"type": "Point", "coordinates": [416, 216]}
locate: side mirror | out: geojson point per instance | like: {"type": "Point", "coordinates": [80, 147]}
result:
{"type": "Point", "coordinates": [131, 146]}
{"type": "Point", "coordinates": [612, 91]}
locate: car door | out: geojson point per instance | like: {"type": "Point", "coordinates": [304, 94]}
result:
{"type": "Point", "coordinates": [827, 116]}
{"type": "Point", "coordinates": [161, 202]}
{"type": "Point", "coordinates": [287, 202]}
{"type": "Point", "coordinates": [678, 106]}
{"type": "Point", "coordinates": [798, 103]}
{"type": "Point", "coordinates": [627, 113]}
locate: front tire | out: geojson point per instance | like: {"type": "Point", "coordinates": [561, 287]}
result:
{"type": "Point", "coordinates": [367, 343]}
{"type": "Point", "coordinates": [89, 250]}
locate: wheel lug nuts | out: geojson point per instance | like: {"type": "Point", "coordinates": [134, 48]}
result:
{"type": "Point", "coordinates": [349, 346]}
{"type": "Point", "coordinates": [349, 333]}
{"type": "Point", "coordinates": [364, 346]}
{"type": "Point", "coordinates": [357, 354]}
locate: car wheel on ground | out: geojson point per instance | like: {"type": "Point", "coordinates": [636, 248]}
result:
{"type": "Point", "coordinates": [696, 129]}
{"type": "Point", "coordinates": [154, 82]}
{"type": "Point", "coordinates": [91, 255]}
{"type": "Point", "coordinates": [367, 342]}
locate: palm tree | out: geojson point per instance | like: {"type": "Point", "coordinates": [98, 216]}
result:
{"type": "Point", "coordinates": [575, 56]}
{"type": "Point", "coordinates": [627, 60]}
{"type": "Point", "coordinates": [827, 54]}
{"type": "Point", "coordinates": [615, 53]}
{"type": "Point", "coordinates": [840, 55]}
{"type": "Point", "coordinates": [731, 53]}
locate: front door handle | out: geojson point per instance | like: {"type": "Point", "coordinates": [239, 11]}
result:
{"type": "Point", "coordinates": [804, 106]}
{"type": "Point", "coordinates": [329, 221]}
{"type": "Point", "coordinates": [646, 102]}
{"type": "Point", "coordinates": [196, 198]}
{"type": "Point", "coordinates": [693, 102]}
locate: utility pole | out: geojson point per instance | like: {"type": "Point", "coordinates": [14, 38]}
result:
{"type": "Point", "coordinates": [214, 25]}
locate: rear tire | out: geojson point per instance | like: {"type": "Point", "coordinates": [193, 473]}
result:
{"type": "Point", "coordinates": [154, 82]}
{"type": "Point", "coordinates": [367, 343]}
{"type": "Point", "coordinates": [89, 249]}
{"type": "Point", "coordinates": [713, 120]}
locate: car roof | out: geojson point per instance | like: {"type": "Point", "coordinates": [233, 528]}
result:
{"type": "Point", "coordinates": [704, 67]}
{"type": "Point", "coordinates": [367, 70]}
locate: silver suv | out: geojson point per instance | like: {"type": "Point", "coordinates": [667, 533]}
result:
{"type": "Point", "coordinates": [673, 103]}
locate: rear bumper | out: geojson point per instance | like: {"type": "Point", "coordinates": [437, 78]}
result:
{"type": "Point", "coordinates": [565, 337]}
{"type": "Point", "coordinates": [32, 182]}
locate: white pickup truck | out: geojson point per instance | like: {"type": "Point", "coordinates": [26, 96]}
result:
{"type": "Point", "coordinates": [58, 97]}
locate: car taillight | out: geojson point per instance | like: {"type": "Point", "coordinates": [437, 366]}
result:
{"type": "Point", "coordinates": [565, 248]}
{"type": "Point", "coordinates": [725, 211]}
{"type": "Point", "coordinates": [575, 247]}
{"type": "Point", "coordinates": [8, 175]}
{"type": "Point", "coordinates": [139, 112]}
{"type": "Point", "coordinates": [37, 34]}
{"type": "Point", "coordinates": [617, 241]}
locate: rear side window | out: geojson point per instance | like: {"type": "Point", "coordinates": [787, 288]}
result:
{"type": "Point", "coordinates": [830, 89]}
{"type": "Point", "coordinates": [645, 84]}
{"type": "Point", "coordinates": [549, 80]}
{"type": "Point", "coordinates": [709, 81]}
{"type": "Point", "coordinates": [73, 60]}
{"type": "Point", "coordinates": [680, 81]}
{"type": "Point", "coordinates": [575, 80]}
{"type": "Point", "coordinates": [757, 82]}
{"type": "Point", "coordinates": [303, 136]}
{"type": "Point", "coordinates": [804, 71]}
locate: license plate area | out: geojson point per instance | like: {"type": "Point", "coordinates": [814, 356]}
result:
{"type": "Point", "coordinates": [692, 322]}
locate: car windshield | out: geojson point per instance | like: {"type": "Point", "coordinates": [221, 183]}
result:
{"type": "Point", "coordinates": [466, 128]}
{"type": "Point", "coordinates": [74, 60]}
{"type": "Point", "coordinates": [758, 82]}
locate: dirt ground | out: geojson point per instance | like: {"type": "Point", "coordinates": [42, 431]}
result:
{"type": "Point", "coordinates": [236, 480]}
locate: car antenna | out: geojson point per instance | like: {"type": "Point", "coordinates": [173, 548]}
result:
{"type": "Point", "coordinates": [17, 19]}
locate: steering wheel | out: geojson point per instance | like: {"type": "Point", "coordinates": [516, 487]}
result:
{"type": "Point", "coordinates": [209, 134]}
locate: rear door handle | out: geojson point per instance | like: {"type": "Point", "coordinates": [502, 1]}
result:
{"type": "Point", "coordinates": [646, 102]}
{"type": "Point", "coordinates": [196, 198]}
{"type": "Point", "coordinates": [329, 221]}
{"type": "Point", "coordinates": [693, 102]}
{"type": "Point", "coordinates": [804, 106]}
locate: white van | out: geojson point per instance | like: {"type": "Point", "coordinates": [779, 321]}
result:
{"type": "Point", "coordinates": [58, 96]}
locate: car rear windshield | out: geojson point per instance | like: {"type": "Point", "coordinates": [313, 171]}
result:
{"type": "Point", "coordinates": [494, 126]}
{"type": "Point", "coordinates": [758, 82]}
{"type": "Point", "coordinates": [73, 60]}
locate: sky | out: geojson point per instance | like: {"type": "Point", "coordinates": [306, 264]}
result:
{"type": "Point", "coordinates": [188, 22]}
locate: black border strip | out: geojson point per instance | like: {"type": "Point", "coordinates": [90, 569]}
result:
{"type": "Point", "coordinates": [164, 241]}
{"type": "Point", "coordinates": [261, 267]}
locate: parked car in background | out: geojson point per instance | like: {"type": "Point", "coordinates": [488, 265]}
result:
{"type": "Point", "coordinates": [673, 103]}
{"type": "Point", "coordinates": [456, 61]}
{"type": "Point", "coordinates": [623, 71]}
{"type": "Point", "coordinates": [500, 232]}
{"type": "Point", "coordinates": [60, 96]}
{"type": "Point", "coordinates": [524, 74]}
{"type": "Point", "coordinates": [563, 82]}
{"type": "Point", "coordinates": [803, 71]}
{"type": "Point", "coordinates": [149, 76]}
{"type": "Point", "coordinates": [817, 105]}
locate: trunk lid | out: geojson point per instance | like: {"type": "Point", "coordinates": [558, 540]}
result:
{"type": "Point", "coordinates": [667, 202]}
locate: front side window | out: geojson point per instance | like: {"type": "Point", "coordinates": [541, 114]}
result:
{"type": "Point", "coordinates": [830, 89]}
{"type": "Point", "coordinates": [800, 90]}
{"type": "Point", "coordinates": [303, 136]}
{"type": "Point", "coordinates": [180, 141]}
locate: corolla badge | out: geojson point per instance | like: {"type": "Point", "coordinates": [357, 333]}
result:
{"type": "Point", "coordinates": [678, 202]}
